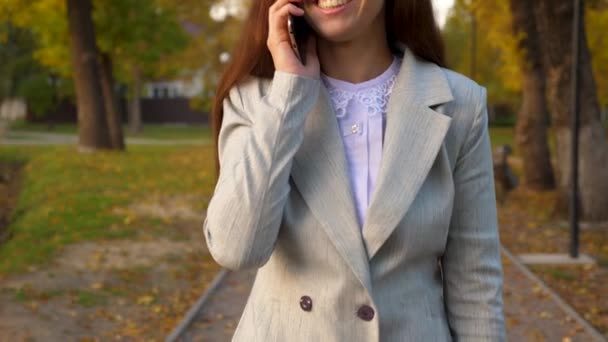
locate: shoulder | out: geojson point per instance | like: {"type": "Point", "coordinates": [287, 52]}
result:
{"type": "Point", "coordinates": [284, 91]}
{"type": "Point", "coordinates": [248, 90]}
{"type": "Point", "coordinates": [468, 110]}
{"type": "Point", "coordinates": [468, 94]}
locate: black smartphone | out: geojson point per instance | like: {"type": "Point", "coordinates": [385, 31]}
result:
{"type": "Point", "coordinates": [298, 34]}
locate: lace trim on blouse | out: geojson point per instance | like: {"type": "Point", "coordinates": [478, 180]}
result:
{"type": "Point", "coordinates": [375, 98]}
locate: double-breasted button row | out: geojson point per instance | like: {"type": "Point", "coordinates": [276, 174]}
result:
{"type": "Point", "coordinates": [365, 312]}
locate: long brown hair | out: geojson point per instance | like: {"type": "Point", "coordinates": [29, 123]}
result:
{"type": "Point", "coordinates": [408, 21]}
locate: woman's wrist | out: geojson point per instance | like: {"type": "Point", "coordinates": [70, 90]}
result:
{"type": "Point", "coordinates": [289, 89]}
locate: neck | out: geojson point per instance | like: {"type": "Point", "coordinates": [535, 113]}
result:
{"type": "Point", "coordinates": [358, 60]}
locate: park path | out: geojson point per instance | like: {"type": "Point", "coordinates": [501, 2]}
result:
{"type": "Point", "coordinates": [43, 138]}
{"type": "Point", "coordinates": [531, 313]}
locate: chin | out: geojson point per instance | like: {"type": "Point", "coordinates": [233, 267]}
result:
{"type": "Point", "coordinates": [338, 29]}
{"type": "Point", "coordinates": [336, 34]}
{"type": "Point", "coordinates": [341, 20]}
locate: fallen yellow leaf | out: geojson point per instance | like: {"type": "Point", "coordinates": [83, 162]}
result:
{"type": "Point", "coordinates": [96, 286]}
{"type": "Point", "coordinates": [145, 300]}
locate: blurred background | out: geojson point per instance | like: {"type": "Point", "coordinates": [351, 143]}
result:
{"type": "Point", "coordinates": [107, 165]}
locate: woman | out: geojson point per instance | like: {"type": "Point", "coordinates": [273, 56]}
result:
{"type": "Point", "coordinates": [360, 185]}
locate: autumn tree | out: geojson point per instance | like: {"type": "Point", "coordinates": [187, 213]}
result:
{"type": "Point", "coordinates": [554, 22]}
{"type": "Point", "coordinates": [214, 27]}
{"type": "Point", "coordinates": [139, 37]}
{"type": "Point", "coordinates": [495, 48]}
{"type": "Point", "coordinates": [135, 39]}
{"type": "Point", "coordinates": [21, 77]}
{"type": "Point", "coordinates": [59, 34]}
{"type": "Point", "coordinates": [93, 127]}
{"type": "Point", "coordinates": [597, 26]}
{"type": "Point", "coordinates": [493, 55]}
{"type": "Point", "coordinates": [533, 116]}
{"type": "Point", "coordinates": [502, 63]}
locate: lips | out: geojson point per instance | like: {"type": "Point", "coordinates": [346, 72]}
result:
{"type": "Point", "coordinates": [327, 4]}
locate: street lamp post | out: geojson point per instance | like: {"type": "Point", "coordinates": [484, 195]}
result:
{"type": "Point", "coordinates": [575, 107]}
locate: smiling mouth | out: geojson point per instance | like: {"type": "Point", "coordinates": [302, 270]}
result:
{"type": "Point", "coordinates": [327, 4]}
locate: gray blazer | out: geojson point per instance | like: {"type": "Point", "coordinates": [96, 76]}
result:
{"type": "Point", "coordinates": [425, 266]}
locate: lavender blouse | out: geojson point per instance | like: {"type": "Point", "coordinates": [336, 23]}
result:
{"type": "Point", "coordinates": [361, 112]}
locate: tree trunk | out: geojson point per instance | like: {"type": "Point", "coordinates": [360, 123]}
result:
{"type": "Point", "coordinates": [554, 21]}
{"type": "Point", "coordinates": [135, 122]}
{"type": "Point", "coordinates": [533, 117]}
{"type": "Point", "coordinates": [111, 103]}
{"type": "Point", "coordinates": [92, 124]}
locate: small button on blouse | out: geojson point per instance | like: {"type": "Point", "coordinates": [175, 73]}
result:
{"type": "Point", "coordinates": [360, 109]}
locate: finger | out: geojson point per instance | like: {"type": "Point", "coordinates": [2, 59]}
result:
{"type": "Point", "coordinates": [289, 8]}
{"type": "Point", "coordinates": [280, 3]}
{"type": "Point", "coordinates": [278, 22]}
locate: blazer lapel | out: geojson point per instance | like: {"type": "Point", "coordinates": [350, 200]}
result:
{"type": "Point", "coordinates": [320, 172]}
{"type": "Point", "coordinates": [413, 137]}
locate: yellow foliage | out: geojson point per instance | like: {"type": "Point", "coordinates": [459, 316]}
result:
{"type": "Point", "coordinates": [145, 300]}
{"type": "Point", "coordinates": [496, 26]}
{"type": "Point", "coordinates": [46, 19]}
{"type": "Point", "coordinates": [597, 26]}
{"type": "Point", "coordinates": [497, 65]}
{"type": "Point", "coordinates": [499, 59]}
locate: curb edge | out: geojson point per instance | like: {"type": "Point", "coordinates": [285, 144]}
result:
{"type": "Point", "coordinates": [198, 306]}
{"type": "Point", "coordinates": [554, 296]}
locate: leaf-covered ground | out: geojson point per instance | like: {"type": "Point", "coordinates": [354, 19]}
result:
{"type": "Point", "coordinates": [104, 301]}
{"type": "Point", "coordinates": [151, 131]}
{"type": "Point", "coordinates": [104, 246]}
{"type": "Point", "coordinates": [529, 224]}
{"type": "Point", "coordinates": [10, 184]}
{"type": "Point", "coordinates": [69, 197]}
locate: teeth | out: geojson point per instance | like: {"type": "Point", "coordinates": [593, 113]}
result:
{"type": "Point", "coordinates": [332, 3]}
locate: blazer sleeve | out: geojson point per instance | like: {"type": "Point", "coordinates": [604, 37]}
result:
{"type": "Point", "coordinates": [471, 263]}
{"type": "Point", "coordinates": [258, 138]}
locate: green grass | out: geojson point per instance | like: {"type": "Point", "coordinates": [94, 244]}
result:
{"type": "Point", "coordinates": [21, 295]}
{"type": "Point", "coordinates": [150, 131]}
{"type": "Point", "coordinates": [69, 197]}
{"type": "Point", "coordinates": [27, 293]}
{"type": "Point", "coordinates": [90, 299]}
{"type": "Point", "coordinates": [562, 275]}
{"type": "Point", "coordinates": [502, 136]}
{"type": "Point", "coordinates": [506, 136]}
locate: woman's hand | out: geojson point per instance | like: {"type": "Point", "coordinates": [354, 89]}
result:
{"type": "Point", "coordinates": [279, 43]}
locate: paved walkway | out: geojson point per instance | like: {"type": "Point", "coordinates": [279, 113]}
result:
{"type": "Point", "coordinates": [43, 138]}
{"type": "Point", "coordinates": [221, 314]}
{"type": "Point", "coordinates": [531, 314]}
